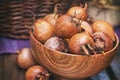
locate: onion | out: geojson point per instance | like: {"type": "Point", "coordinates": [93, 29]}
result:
{"type": "Point", "coordinates": [56, 43]}
{"type": "Point", "coordinates": [66, 26]}
{"type": "Point", "coordinates": [105, 27]}
{"type": "Point", "coordinates": [25, 58]}
{"type": "Point", "coordinates": [51, 18]}
{"type": "Point", "coordinates": [102, 42]}
{"type": "Point", "coordinates": [86, 27]}
{"type": "Point", "coordinates": [78, 43]}
{"type": "Point", "coordinates": [79, 12]}
{"type": "Point", "coordinates": [36, 72]}
{"type": "Point", "coordinates": [43, 30]}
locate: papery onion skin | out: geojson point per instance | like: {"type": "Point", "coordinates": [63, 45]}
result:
{"type": "Point", "coordinates": [103, 26]}
{"type": "Point", "coordinates": [43, 30]}
{"type": "Point", "coordinates": [79, 40]}
{"type": "Point", "coordinates": [65, 27]}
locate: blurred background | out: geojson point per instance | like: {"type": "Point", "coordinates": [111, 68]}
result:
{"type": "Point", "coordinates": [15, 14]}
{"type": "Point", "coordinates": [108, 10]}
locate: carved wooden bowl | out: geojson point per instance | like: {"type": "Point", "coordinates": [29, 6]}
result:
{"type": "Point", "coordinates": [70, 65]}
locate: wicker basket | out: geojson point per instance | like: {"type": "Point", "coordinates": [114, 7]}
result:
{"type": "Point", "coordinates": [15, 14]}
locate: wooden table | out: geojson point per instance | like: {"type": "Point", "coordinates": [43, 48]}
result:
{"type": "Point", "coordinates": [10, 71]}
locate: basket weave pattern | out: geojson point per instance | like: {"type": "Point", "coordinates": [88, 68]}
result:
{"type": "Point", "coordinates": [15, 14]}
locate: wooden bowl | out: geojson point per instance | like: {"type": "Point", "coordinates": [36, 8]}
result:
{"type": "Point", "coordinates": [70, 65]}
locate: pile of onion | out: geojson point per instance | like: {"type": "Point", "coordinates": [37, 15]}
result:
{"type": "Point", "coordinates": [88, 42]}
{"type": "Point", "coordinates": [73, 33]}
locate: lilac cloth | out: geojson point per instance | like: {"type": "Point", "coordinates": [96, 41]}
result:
{"type": "Point", "coordinates": [8, 45]}
{"type": "Point", "coordinates": [117, 30]}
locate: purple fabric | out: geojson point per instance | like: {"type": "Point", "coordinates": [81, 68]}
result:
{"type": "Point", "coordinates": [8, 45]}
{"type": "Point", "coordinates": [117, 30]}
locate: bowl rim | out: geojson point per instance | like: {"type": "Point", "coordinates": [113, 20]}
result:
{"type": "Point", "coordinates": [116, 45]}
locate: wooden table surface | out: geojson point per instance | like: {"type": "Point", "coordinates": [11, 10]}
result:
{"type": "Point", "coordinates": [10, 71]}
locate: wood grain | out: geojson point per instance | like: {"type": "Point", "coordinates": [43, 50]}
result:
{"type": "Point", "coordinates": [9, 69]}
{"type": "Point", "coordinates": [68, 65]}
